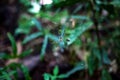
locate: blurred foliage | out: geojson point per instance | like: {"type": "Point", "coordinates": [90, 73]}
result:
{"type": "Point", "coordinates": [92, 25]}
{"type": "Point", "coordinates": [55, 76]}
{"type": "Point", "coordinates": [14, 54]}
{"type": "Point", "coordinates": [11, 70]}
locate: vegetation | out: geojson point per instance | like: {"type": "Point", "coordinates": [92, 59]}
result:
{"type": "Point", "coordinates": [62, 40]}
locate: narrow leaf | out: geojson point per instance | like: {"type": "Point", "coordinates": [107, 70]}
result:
{"type": "Point", "coordinates": [80, 17]}
{"type": "Point", "coordinates": [13, 43]}
{"type": "Point", "coordinates": [44, 47]}
{"type": "Point", "coordinates": [31, 37]}
{"type": "Point", "coordinates": [5, 56]}
{"type": "Point", "coordinates": [37, 24]}
{"type": "Point", "coordinates": [78, 67]}
{"type": "Point", "coordinates": [53, 37]}
{"type": "Point", "coordinates": [25, 53]}
{"type": "Point", "coordinates": [26, 72]}
{"type": "Point", "coordinates": [56, 71]}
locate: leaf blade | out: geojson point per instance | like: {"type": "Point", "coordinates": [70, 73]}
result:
{"type": "Point", "coordinates": [13, 43]}
{"type": "Point", "coordinates": [78, 31]}
{"type": "Point", "coordinates": [31, 37]}
{"type": "Point", "coordinates": [42, 53]}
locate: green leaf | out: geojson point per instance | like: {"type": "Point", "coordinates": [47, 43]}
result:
{"type": "Point", "coordinates": [80, 17]}
{"type": "Point", "coordinates": [96, 52]}
{"type": "Point", "coordinates": [32, 36]}
{"type": "Point", "coordinates": [11, 73]}
{"type": "Point", "coordinates": [25, 2]}
{"type": "Point", "coordinates": [78, 67]}
{"type": "Point", "coordinates": [26, 72]}
{"type": "Point", "coordinates": [56, 18]}
{"type": "Point", "coordinates": [77, 9]}
{"type": "Point", "coordinates": [91, 61]}
{"type": "Point", "coordinates": [16, 76]}
{"type": "Point", "coordinates": [78, 31]}
{"type": "Point", "coordinates": [116, 3]}
{"type": "Point", "coordinates": [56, 71]}
{"type": "Point", "coordinates": [105, 75]}
{"type": "Point", "coordinates": [12, 65]}
{"type": "Point", "coordinates": [5, 56]}
{"type": "Point", "coordinates": [13, 43]}
{"type": "Point", "coordinates": [22, 31]}
{"type": "Point", "coordinates": [46, 76]}
{"type": "Point", "coordinates": [44, 47]}
{"type": "Point", "coordinates": [37, 24]}
{"type": "Point", "coordinates": [25, 25]}
{"type": "Point", "coordinates": [106, 59]}
{"type": "Point", "coordinates": [25, 53]}
{"type": "Point", "coordinates": [69, 2]}
{"type": "Point", "coordinates": [53, 37]}
{"type": "Point", "coordinates": [1, 77]}
{"type": "Point", "coordinates": [7, 76]}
